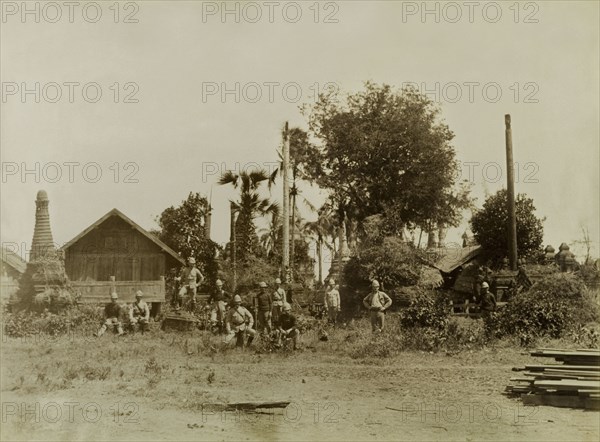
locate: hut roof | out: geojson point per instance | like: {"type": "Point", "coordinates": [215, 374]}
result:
{"type": "Point", "coordinates": [452, 258]}
{"type": "Point", "coordinates": [13, 260]}
{"type": "Point", "coordinates": [116, 212]}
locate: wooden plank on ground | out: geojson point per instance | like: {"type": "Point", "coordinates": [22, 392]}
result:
{"type": "Point", "coordinates": [560, 401]}
{"type": "Point", "coordinates": [536, 367]}
{"type": "Point", "coordinates": [569, 384]}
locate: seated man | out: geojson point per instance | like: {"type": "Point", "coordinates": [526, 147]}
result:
{"type": "Point", "coordinates": [112, 316]}
{"type": "Point", "coordinates": [139, 313]}
{"type": "Point", "coordinates": [238, 323]}
{"type": "Point", "coordinates": [286, 327]}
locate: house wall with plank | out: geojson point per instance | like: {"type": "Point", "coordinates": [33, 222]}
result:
{"type": "Point", "coordinates": [9, 281]}
{"type": "Point", "coordinates": [12, 268]}
{"type": "Point", "coordinates": [116, 253]}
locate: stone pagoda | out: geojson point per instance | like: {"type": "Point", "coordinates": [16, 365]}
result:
{"type": "Point", "coordinates": [42, 244]}
{"type": "Point", "coordinates": [45, 273]}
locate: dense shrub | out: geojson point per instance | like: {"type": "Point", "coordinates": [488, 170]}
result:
{"type": "Point", "coordinates": [84, 319]}
{"type": "Point", "coordinates": [393, 262]}
{"type": "Point", "coordinates": [427, 309]}
{"type": "Point", "coordinates": [552, 307]}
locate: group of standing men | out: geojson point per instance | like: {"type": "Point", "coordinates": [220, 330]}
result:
{"type": "Point", "coordinates": [272, 309]}
{"type": "Point", "coordinates": [274, 314]}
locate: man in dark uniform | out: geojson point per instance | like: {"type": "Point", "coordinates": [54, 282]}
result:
{"type": "Point", "coordinates": [488, 301]}
{"type": "Point", "coordinates": [286, 327]}
{"type": "Point", "coordinates": [264, 306]}
{"type": "Point", "coordinates": [218, 301]}
{"type": "Point", "coordinates": [112, 316]}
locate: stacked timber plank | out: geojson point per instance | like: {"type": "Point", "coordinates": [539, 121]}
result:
{"type": "Point", "coordinates": [574, 383]}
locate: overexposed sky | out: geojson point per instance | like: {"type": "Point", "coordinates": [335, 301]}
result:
{"type": "Point", "coordinates": [213, 91]}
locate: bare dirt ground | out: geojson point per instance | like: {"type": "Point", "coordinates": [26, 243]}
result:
{"type": "Point", "coordinates": [159, 387]}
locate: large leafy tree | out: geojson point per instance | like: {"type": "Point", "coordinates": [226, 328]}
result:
{"type": "Point", "coordinates": [249, 206]}
{"type": "Point", "coordinates": [381, 150]}
{"type": "Point", "coordinates": [183, 228]}
{"type": "Point", "coordinates": [490, 226]}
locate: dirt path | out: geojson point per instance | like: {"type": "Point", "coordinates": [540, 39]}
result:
{"type": "Point", "coordinates": [434, 399]}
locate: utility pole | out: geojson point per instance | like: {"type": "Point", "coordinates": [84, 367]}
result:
{"type": "Point", "coordinates": [232, 242]}
{"type": "Point", "coordinates": [286, 204]}
{"type": "Point", "coordinates": [510, 190]}
{"type": "Point", "coordinates": [208, 218]}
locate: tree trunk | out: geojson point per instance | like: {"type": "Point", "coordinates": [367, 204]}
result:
{"type": "Point", "coordinates": [431, 241]}
{"type": "Point", "coordinates": [352, 237]}
{"type": "Point", "coordinates": [232, 241]}
{"type": "Point", "coordinates": [320, 258]}
{"type": "Point", "coordinates": [293, 236]}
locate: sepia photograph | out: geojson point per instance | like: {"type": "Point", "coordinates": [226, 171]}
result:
{"type": "Point", "coordinates": [311, 220]}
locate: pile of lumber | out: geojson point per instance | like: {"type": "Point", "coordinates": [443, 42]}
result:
{"type": "Point", "coordinates": [573, 383]}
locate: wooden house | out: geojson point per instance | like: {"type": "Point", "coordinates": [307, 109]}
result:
{"type": "Point", "coordinates": [12, 267]}
{"type": "Point", "coordinates": [116, 253]}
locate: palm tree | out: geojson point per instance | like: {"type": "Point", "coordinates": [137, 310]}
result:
{"type": "Point", "coordinates": [270, 237]}
{"type": "Point", "coordinates": [320, 229]}
{"type": "Point", "coordinates": [249, 206]}
{"type": "Point", "coordinates": [298, 141]}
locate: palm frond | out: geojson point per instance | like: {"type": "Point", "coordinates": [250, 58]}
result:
{"type": "Point", "coordinates": [229, 178]}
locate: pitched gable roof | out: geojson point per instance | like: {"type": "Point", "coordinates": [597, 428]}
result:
{"type": "Point", "coordinates": [452, 258]}
{"type": "Point", "coordinates": [116, 212]}
{"type": "Point", "coordinates": [13, 260]}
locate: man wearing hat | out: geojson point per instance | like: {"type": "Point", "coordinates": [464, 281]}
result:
{"type": "Point", "coordinates": [377, 302]}
{"type": "Point", "coordinates": [191, 278]}
{"type": "Point", "coordinates": [239, 320]}
{"type": "Point", "coordinates": [488, 300]}
{"type": "Point", "coordinates": [332, 301]}
{"type": "Point", "coordinates": [263, 303]}
{"type": "Point", "coordinates": [278, 300]}
{"type": "Point", "coordinates": [112, 316]}
{"type": "Point", "coordinates": [286, 327]}
{"type": "Point", "coordinates": [218, 300]}
{"type": "Point", "coordinates": [139, 313]}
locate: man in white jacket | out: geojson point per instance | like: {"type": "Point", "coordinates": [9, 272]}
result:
{"type": "Point", "coordinates": [332, 301]}
{"type": "Point", "coordinates": [377, 302]}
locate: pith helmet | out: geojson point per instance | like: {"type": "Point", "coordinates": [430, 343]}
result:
{"type": "Point", "coordinates": [277, 281]}
{"type": "Point", "coordinates": [262, 284]}
{"type": "Point", "coordinates": [375, 283]}
{"type": "Point", "coordinates": [114, 295]}
{"type": "Point", "coordinates": [219, 283]}
{"type": "Point", "coordinates": [139, 294]}
{"type": "Point", "coordinates": [192, 260]}
{"type": "Point", "coordinates": [237, 299]}
{"type": "Point", "coordinates": [287, 307]}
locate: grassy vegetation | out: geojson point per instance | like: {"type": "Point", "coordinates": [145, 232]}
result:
{"type": "Point", "coordinates": [171, 365]}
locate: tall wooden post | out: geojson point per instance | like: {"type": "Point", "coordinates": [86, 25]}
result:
{"type": "Point", "coordinates": [510, 190]}
{"type": "Point", "coordinates": [286, 204]}
{"type": "Point", "coordinates": [208, 218]}
{"type": "Point", "coordinates": [232, 242]}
